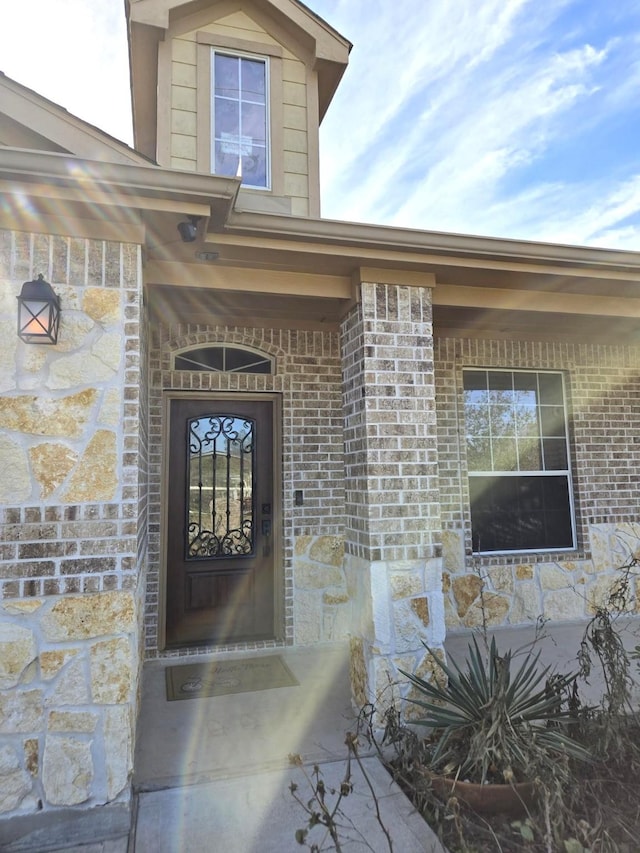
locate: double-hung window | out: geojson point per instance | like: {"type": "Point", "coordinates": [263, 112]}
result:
{"type": "Point", "coordinates": [518, 461]}
{"type": "Point", "coordinates": [240, 118]}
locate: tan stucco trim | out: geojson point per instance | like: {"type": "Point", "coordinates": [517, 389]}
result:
{"type": "Point", "coordinates": [524, 300]}
{"type": "Point", "coordinates": [41, 173]}
{"type": "Point", "coordinates": [391, 276]}
{"type": "Point", "coordinates": [276, 130]}
{"type": "Point", "coordinates": [313, 144]}
{"type": "Point", "coordinates": [330, 45]}
{"type": "Point", "coordinates": [95, 196]}
{"type": "Point", "coordinates": [241, 45]}
{"type": "Point", "coordinates": [249, 280]}
{"type": "Point", "coordinates": [129, 230]}
{"type": "Point", "coordinates": [323, 236]}
{"type": "Point", "coordinates": [165, 97]}
{"type": "Point", "coordinates": [201, 16]}
{"type": "Point", "coordinates": [203, 108]}
{"type": "Point", "coordinates": [143, 65]}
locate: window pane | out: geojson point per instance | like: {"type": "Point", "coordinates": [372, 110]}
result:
{"type": "Point", "coordinates": [527, 433]}
{"type": "Point", "coordinates": [240, 119]}
{"type": "Point", "coordinates": [227, 119]}
{"type": "Point", "coordinates": [226, 161]}
{"type": "Point", "coordinates": [223, 359]}
{"type": "Point", "coordinates": [500, 380]}
{"type": "Point", "coordinates": [253, 80]}
{"type": "Point", "coordinates": [504, 455]}
{"type": "Point", "coordinates": [475, 380]}
{"type": "Point", "coordinates": [254, 123]}
{"type": "Point", "coordinates": [478, 454]}
{"type": "Point", "coordinates": [227, 76]}
{"type": "Point", "coordinates": [529, 454]}
{"type": "Point", "coordinates": [477, 419]}
{"type": "Point", "coordinates": [552, 420]}
{"type": "Point", "coordinates": [254, 167]}
{"type": "Point", "coordinates": [527, 421]}
{"type": "Point", "coordinates": [526, 388]}
{"type": "Point", "coordinates": [220, 512]}
{"type": "Point", "coordinates": [556, 493]}
{"type": "Point", "coordinates": [206, 358]}
{"type": "Point", "coordinates": [555, 454]}
{"type": "Point", "coordinates": [551, 393]}
{"type": "Point", "coordinates": [520, 513]}
{"type": "Point", "coordinates": [503, 420]}
{"type": "Point", "coordinates": [240, 360]}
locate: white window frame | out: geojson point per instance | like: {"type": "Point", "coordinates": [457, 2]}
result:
{"type": "Point", "coordinates": [524, 472]}
{"type": "Point", "coordinates": [267, 71]}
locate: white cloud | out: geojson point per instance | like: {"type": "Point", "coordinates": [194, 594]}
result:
{"type": "Point", "coordinates": [509, 117]}
{"type": "Point", "coordinates": [456, 117]}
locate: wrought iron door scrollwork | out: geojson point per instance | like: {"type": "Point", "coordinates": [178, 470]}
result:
{"type": "Point", "coordinates": [220, 506]}
{"type": "Point", "coordinates": [205, 543]}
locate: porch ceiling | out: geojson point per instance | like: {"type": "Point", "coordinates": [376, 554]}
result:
{"type": "Point", "coordinates": [306, 280]}
{"type": "Point", "coordinates": [207, 306]}
{"type": "Point", "coordinates": [501, 324]}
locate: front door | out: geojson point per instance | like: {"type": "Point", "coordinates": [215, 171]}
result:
{"type": "Point", "coordinates": [220, 554]}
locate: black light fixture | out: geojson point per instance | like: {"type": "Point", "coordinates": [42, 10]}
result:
{"type": "Point", "coordinates": [38, 312]}
{"type": "Point", "coordinates": [189, 229]}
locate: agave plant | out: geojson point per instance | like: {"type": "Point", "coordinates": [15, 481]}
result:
{"type": "Point", "coordinates": [493, 719]}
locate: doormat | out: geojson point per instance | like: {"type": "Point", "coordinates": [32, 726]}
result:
{"type": "Point", "coordinates": [216, 678]}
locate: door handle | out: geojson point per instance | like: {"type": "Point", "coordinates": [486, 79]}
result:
{"type": "Point", "coordinates": [266, 533]}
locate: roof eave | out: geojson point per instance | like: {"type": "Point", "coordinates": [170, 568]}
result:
{"type": "Point", "coordinates": [394, 238]}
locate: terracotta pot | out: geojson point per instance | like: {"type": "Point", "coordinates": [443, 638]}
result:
{"type": "Point", "coordinates": [488, 799]}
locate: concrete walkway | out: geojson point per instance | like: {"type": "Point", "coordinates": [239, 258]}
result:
{"type": "Point", "coordinates": [213, 774]}
{"type": "Point", "coordinates": [257, 814]}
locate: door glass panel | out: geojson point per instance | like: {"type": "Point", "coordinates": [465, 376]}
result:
{"type": "Point", "coordinates": [220, 475]}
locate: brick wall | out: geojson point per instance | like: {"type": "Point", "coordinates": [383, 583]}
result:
{"type": "Point", "coordinates": [307, 375]}
{"type": "Point", "coordinates": [603, 390]}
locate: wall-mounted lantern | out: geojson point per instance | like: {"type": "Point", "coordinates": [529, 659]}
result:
{"type": "Point", "coordinates": [38, 312]}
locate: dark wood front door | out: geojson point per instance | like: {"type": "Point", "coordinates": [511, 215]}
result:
{"type": "Point", "coordinates": [220, 555]}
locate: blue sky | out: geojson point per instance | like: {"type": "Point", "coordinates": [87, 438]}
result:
{"type": "Point", "coordinates": [509, 118]}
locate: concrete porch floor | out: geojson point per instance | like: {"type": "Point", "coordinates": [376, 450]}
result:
{"type": "Point", "coordinates": [195, 740]}
{"type": "Point", "coordinates": [214, 773]}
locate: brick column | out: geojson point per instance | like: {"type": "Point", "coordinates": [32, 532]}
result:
{"type": "Point", "coordinates": [393, 529]}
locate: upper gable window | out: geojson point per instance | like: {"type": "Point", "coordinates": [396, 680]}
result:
{"type": "Point", "coordinates": [240, 118]}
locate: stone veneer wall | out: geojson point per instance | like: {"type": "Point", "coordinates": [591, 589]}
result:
{"type": "Point", "coordinates": [603, 387]}
{"type": "Point", "coordinates": [69, 507]}
{"type": "Point", "coordinates": [307, 375]}
{"type": "Point", "coordinates": [392, 543]}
